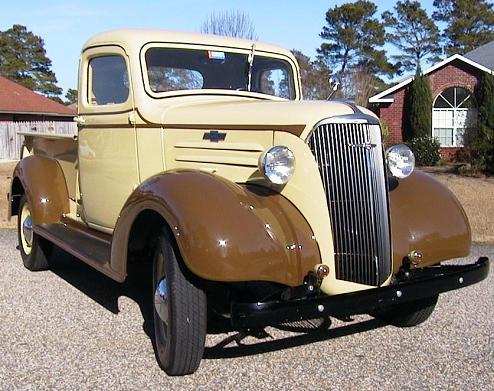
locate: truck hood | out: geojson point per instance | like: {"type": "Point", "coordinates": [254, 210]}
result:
{"type": "Point", "coordinates": [243, 114]}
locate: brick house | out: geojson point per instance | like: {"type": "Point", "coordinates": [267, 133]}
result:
{"type": "Point", "coordinates": [18, 103]}
{"type": "Point", "coordinates": [453, 82]}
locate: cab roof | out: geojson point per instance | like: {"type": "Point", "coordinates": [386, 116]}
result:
{"type": "Point", "coordinates": [136, 38]}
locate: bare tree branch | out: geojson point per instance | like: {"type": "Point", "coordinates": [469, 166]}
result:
{"type": "Point", "coordinates": [233, 23]}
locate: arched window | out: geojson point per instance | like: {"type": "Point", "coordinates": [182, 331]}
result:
{"type": "Point", "coordinates": [454, 112]}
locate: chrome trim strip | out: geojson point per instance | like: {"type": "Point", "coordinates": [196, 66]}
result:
{"type": "Point", "coordinates": [356, 118]}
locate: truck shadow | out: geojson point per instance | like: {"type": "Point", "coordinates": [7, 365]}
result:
{"type": "Point", "coordinates": [221, 350]}
{"type": "Point", "coordinates": [137, 287]}
{"type": "Point", "coordinates": [105, 291]}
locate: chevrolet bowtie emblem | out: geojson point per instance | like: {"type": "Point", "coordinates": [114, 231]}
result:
{"type": "Point", "coordinates": [214, 136]}
{"type": "Point", "coordinates": [364, 145]}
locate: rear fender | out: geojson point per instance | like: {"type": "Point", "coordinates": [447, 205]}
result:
{"type": "Point", "coordinates": [43, 182]}
{"type": "Point", "coordinates": [225, 231]}
{"type": "Point", "coordinates": [427, 217]}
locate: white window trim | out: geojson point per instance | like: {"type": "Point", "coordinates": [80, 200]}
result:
{"type": "Point", "coordinates": [457, 130]}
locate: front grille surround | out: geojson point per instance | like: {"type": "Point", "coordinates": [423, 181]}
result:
{"type": "Point", "coordinates": [351, 164]}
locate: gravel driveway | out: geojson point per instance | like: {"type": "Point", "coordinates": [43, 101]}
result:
{"type": "Point", "coordinates": [72, 328]}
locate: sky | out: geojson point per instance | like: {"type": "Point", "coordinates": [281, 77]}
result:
{"type": "Point", "coordinates": [66, 25]}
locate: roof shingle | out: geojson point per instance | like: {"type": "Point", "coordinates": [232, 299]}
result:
{"type": "Point", "coordinates": [15, 98]}
{"type": "Point", "coordinates": [483, 55]}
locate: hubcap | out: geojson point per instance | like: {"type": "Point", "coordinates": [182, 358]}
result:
{"type": "Point", "coordinates": [26, 229]}
{"type": "Point", "coordinates": [161, 300]}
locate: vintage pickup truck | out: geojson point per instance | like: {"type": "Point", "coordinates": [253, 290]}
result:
{"type": "Point", "coordinates": [197, 154]}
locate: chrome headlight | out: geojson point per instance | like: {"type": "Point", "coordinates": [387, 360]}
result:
{"type": "Point", "coordinates": [401, 160]}
{"type": "Point", "coordinates": [277, 164]}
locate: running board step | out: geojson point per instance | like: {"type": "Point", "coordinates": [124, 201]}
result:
{"type": "Point", "coordinates": [93, 248]}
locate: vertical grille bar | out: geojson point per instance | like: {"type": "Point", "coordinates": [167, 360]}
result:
{"type": "Point", "coordinates": [351, 164]}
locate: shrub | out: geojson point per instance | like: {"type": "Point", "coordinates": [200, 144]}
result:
{"type": "Point", "coordinates": [426, 150]}
{"type": "Point", "coordinates": [463, 155]}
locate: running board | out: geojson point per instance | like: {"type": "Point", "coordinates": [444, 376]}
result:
{"type": "Point", "coordinates": [91, 247]}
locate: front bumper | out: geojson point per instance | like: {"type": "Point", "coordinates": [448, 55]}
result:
{"type": "Point", "coordinates": [424, 283]}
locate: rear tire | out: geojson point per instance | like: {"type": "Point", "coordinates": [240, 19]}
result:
{"type": "Point", "coordinates": [180, 312]}
{"type": "Point", "coordinates": [35, 250]}
{"type": "Point", "coordinates": [408, 314]}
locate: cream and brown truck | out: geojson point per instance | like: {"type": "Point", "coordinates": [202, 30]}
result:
{"type": "Point", "coordinates": [197, 154]}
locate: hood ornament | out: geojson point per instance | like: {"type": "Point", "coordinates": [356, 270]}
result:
{"type": "Point", "coordinates": [334, 85]}
{"type": "Point", "coordinates": [366, 145]}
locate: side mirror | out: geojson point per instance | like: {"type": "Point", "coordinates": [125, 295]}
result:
{"type": "Point", "coordinates": [334, 85]}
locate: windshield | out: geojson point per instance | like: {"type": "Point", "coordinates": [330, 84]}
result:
{"type": "Point", "coordinates": [172, 69]}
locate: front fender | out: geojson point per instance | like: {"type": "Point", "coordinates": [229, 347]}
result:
{"type": "Point", "coordinates": [225, 231]}
{"type": "Point", "coordinates": [44, 184]}
{"type": "Point", "coordinates": [427, 217]}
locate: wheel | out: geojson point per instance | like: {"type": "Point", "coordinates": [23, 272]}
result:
{"type": "Point", "coordinates": [408, 314]}
{"type": "Point", "coordinates": [35, 250]}
{"type": "Point", "coordinates": [180, 312]}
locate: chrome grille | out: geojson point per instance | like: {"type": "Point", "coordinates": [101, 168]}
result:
{"type": "Point", "coordinates": [351, 164]}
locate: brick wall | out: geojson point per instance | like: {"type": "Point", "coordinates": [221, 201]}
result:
{"type": "Point", "coordinates": [391, 115]}
{"type": "Point", "coordinates": [449, 153]}
{"type": "Point", "coordinates": [455, 74]}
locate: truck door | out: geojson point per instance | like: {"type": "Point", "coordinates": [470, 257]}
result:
{"type": "Point", "coordinates": [108, 170]}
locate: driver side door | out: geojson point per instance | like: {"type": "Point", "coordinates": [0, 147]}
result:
{"type": "Point", "coordinates": [108, 169]}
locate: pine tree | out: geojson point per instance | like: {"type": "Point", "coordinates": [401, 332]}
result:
{"type": "Point", "coordinates": [418, 122]}
{"type": "Point", "coordinates": [71, 96]}
{"type": "Point", "coordinates": [419, 116]}
{"type": "Point", "coordinates": [482, 143]}
{"type": "Point", "coordinates": [486, 100]}
{"type": "Point", "coordinates": [23, 60]}
{"type": "Point", "coordinates": [315, 77]}
{"type": "Point", "coordinates": [469, 23]}
{"type": "Point", "coordinates": [354, 37]}
{"type": "Point", "coordinates": [414, 33]}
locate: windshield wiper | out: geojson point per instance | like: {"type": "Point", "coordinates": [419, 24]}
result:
{"type": "Point", "coordinates": [251, 61]}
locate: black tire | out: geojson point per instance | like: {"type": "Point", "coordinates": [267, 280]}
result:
{"type": "Point", "coordinates": [180, 330]}
{"type": "Point", "coordinates": [408, 314]}
{"type": "Point", "coordinates": [35, 250]}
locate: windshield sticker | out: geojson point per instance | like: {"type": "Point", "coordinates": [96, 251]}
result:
{"type": "Point", "coordinates": [216, 56]}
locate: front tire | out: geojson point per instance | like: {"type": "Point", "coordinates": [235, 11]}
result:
{"type": "Point", "coordinates": [35, 250]}
{"type": "Point", "coordinates": [180, 312]}
{"type": "Point", "coordinates": [408, 314]}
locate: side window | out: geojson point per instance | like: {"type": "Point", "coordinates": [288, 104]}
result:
{"type": "Point", "coordinates": [108, 80]}
{"type": "Point", "coordinates": [275, 82]}
{"type": "Point", "coordinates": [273, 77]}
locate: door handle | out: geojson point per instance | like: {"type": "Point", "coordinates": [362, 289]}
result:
{"type": "Point", "coordinates": [79, 120]}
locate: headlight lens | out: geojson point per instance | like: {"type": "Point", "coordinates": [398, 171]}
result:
{"type": "Point", "coordinates": [401, 160]}
{"type": "Point", "coordinates": [277, 164]}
